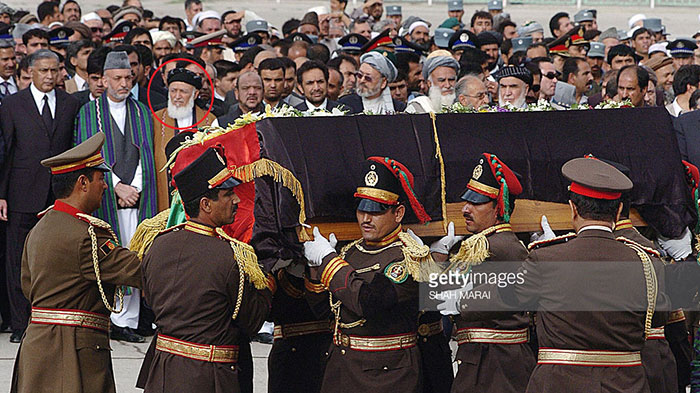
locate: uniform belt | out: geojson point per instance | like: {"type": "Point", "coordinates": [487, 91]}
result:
{"type": "Point", "coordinates": [430, 329]}
{"type": "Point", "coordinates": [376, 344]}
{"type": "Point", "coordinates": [65, 317]}
{"type": "Point", "coordinates": [656, 334]}
{"type": "Point", "coordinates": [205, 353]}
{"type": "Point", "coordinates": [301, 329]}
{"type": "Point", "coordinates": [491, 336]}
{"type": "Point", "coordinates": [577, 357]}
{"type": "Point", "coordinates": [676, 316]}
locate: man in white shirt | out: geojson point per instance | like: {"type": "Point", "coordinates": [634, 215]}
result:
{"type": "Point", "coordinates": [78, 53]}
{"type": "Point", "coordinates": [8, 67]}
{"type": "Point", "coordinates": [685, 81]}
{"type": "Point", "coordinates": [312, 76]}
{"type": "Point", "coordinates": [131, 194]}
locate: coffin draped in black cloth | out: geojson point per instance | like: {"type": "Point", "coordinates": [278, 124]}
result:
{"type": "Point", "coordinates": [325, 154]}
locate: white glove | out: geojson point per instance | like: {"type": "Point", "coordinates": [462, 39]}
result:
{"type": "Point", "coordinates": [547, 232]}
{"type": "Point", "coordinates": [678, 248]}
{"type": "Point", "coordinates": [415, 237]}
{"type": "Point", "coordinates": [444, 245]}
{"type": "Point", "coordinates": [317, 249]}
{"type": "Point", "coordinates": [451, 299]}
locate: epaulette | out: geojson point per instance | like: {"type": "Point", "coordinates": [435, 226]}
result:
{"type": "Point", "coordinates": [246, 259]}
{"type": "Point", "coordinates": [548, 242]}
{"type": "Point", "coordinates": [648, 250]}
{"type": "Point", "coordinates": [416, 259]}
{"type": "Point", "coordinates": [41, 213]}
{"type": "Point", "coordinates": [172, 229]}
{"type": "Point", "coordinates": [94, 221]}
{"type": "Point", "coordinates": [147, 231]}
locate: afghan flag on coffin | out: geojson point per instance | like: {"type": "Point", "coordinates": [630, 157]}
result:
{"type": "Point", "coordinates": [241, 148]}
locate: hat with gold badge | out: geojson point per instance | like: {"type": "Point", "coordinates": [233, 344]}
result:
{"type": "Point", "coordinates": [86, 155]}
{"type": "Point", "coordinates": [385, 183]}
{"type": "Point", "coordinates": [209, 171]}
{"type": "Point", "coordinates": [493, 180]}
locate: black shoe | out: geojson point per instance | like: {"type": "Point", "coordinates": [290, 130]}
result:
{"type": "Point", "coordinates": [125, 334]}
{"type": "Point", "coordinates": [5, 328]}
{"type": "Point", "coordinates": [265, 338]}
{"type": "Point", "coordinates": [16, 336]}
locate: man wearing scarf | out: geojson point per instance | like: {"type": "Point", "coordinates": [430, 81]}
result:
{"type": "Point", "coordinates": [131, 194]}
{"type": "Point", "coordinates": [440, 71]}
{"type": "Point", "coordinates": [372, 92]}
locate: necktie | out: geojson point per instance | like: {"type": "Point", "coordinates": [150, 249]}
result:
{"type": "Point", "coordinates": [46, 114]}
{"type": "Point", "coordinates": [5, 89]}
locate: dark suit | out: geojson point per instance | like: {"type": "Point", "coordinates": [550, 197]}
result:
{"type": "Point", "coordinates": [329, 106]}
{"type": "Point", "coordinates": [687, 128]}
{"type": "Point", "coordinates": [158, 101]}
{"type": "Point", "coordinates": [83, 97]}
{"type": "Point", "coordinates": [234, 113]}
{"type": "Point", "coordinates": [24, 183]}
{"type": "Point", "coordinates": [353, 103]}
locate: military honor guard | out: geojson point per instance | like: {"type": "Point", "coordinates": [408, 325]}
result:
{"type": "Point", "coordinates": [596, 294]}
{"type": "Point", "coordinates": [71, 265]}
{"type": "Point", "coordinates": [205, 288]}
{"type": "Point", "coordinates": [373, 284]}
{"type": "Point", "coordinates": [493, 354]}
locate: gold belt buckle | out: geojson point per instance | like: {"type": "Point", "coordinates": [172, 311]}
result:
{"type": "Point", "coordinates": [344, 340]}
{"type": "Point", "coordinates": [424, 329]}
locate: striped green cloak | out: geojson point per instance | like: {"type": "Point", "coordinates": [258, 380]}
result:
{"type": "Point", "coordinates": [88, 123]}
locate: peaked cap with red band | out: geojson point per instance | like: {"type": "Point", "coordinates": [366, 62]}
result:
{"type": "Point", "coordinates": [86, 155]}
{"type": "Point", "coordinates": [385, 181]}
{"type": "Point", "coordinates": [492, 179]}
{"type": "Point", "coordinates": [596, 179]}
{"type": "Point", "coordinates": [383, 39]}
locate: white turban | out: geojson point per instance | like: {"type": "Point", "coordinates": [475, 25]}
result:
{"type": "Point", "coordinates": [159, 35]}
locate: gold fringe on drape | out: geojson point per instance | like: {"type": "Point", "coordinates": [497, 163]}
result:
{"type": "Point", "coordinates": [266, 167]}
{"type": "Point", "coordinates": [245, 256]}
{"type": "Point", "coordinates": [147, 230]}
{"type": "Point", "coordinates": [438, 155]}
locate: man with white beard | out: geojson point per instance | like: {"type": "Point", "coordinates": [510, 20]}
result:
{"type": "Point", "coordinates": [513, 85]}
{"type": "Point", "coordinates": [372, 91]}
{"type": "Point", "coordinates": [181, 114]}
{"type": "Point", "coordinates": [440, 71]}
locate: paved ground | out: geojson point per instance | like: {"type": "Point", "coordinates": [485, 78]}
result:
{"type": "Point", "coordinates": [127, 360]}
{"type": "Point", "coordinates": [678, 20]}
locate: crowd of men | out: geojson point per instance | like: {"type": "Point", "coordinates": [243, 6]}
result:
{"type": "Point", "coordinates": [141, 80]}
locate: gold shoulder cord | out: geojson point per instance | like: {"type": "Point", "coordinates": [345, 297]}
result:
{"type": "Point", "coordinates": [247, 263]}
{"type": "Point", "coordinates": [96, 266]}
{"type": "Point", "coordinates": [335, 306]}
{"type": "Point", "coordinates": [650, 280]}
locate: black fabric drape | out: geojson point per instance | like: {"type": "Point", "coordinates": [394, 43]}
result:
{"type": "Point", "coordinates": [324, 154]}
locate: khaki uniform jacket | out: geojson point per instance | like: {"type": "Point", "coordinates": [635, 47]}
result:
{"type": "Point", "coordinates": [58, 273]}
{"type": "Point", "coordinates": [161, 136]}
{"type": "Point", "coordinates": [612, 283]}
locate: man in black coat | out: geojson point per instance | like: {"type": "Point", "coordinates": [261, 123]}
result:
{"type": "Point", "coordinates": [249, 89]}
{"type": "Point", "coordinates": [312, 76]}
{"type": "Point", "coordinates": [372, 87]}
{"type": "Point", "coordinates": [687, 128]}
{"type": "Point", "coordinates": [36, 123]}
